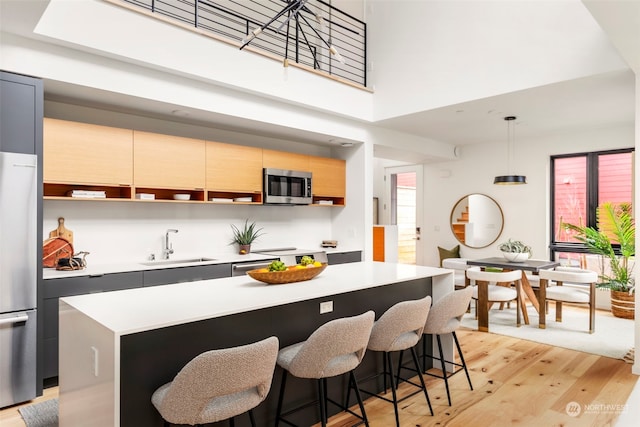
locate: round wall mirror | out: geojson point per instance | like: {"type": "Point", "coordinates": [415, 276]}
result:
{"type": "Point", "coordinates": [476, 220]}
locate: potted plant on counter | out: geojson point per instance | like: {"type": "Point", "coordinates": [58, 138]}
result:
{"type": "Point", "coordinates": [515, 251]}
{"type": "Point", "coordinates": [615, 222]}
{"type": "Point", "coordinates": [245, 236]}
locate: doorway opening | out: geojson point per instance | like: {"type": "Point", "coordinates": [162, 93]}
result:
{"type": "Point", "coordinates": [405, 210]}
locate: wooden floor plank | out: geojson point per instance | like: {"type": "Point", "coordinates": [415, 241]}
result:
{"type": "Point", "coordinates": [516, 382]}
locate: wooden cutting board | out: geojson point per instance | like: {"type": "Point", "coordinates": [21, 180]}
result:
{"type": "Point", "coordinates": [55, 248]}
{"type": "Point", "coordinates": [61, 231]}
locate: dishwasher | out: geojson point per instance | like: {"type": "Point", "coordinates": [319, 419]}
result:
{"type": "Point", "coordinates": [241, 269]}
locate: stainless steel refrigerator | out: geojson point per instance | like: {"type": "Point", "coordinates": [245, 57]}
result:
{"type": "Point", "coordinates": [18, 277]}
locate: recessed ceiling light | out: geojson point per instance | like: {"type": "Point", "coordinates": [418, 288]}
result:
{"type": "Point", "coordinates": [180, 113]}
{"type": "Point", "coordinates": [346, 144]}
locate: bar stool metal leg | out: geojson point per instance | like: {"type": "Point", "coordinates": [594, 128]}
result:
{"type": "Point", "coordinates": [462, 362]}
{"type": "Point", "coordinates": [281, 397]}
{"type": "Point", "coordinates": [353, 382]}
{"type": "Point", "coordinates": [322, 395]}
{"type": "Point", "coordinates": [393, 387]}
{"type": "Point", "coordinates": [424, 387]}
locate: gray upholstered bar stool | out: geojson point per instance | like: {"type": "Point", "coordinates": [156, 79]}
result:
{"type": "Point", "coordinates": [444, 318]}
{"type": "Point", "coordinates": [568, 294]}
{"type": "Point", "coordinates": [335, 348]}
{"type": "Point", "coordinates": [399, 329]}
{"type": "Point", "coordinates": [219, 384]}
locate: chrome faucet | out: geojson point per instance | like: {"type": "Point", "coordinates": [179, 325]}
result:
{"type": "Point", "coordinates": [168, 247]}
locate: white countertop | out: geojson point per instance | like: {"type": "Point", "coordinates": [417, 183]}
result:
{"type": "Point", "coordinates": [142, 309]}
{"type": "Point", "coordinates": [123, 267]}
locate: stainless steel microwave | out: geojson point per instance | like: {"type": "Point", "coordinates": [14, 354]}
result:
{"type": "Point", "coordinates": [286, 187]}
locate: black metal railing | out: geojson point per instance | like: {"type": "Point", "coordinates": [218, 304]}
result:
{"type": "Point", "coordinates": [314, 28]}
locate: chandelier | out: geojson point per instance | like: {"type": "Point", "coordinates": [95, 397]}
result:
{"type": "Point", "coordinates": [292, 11]}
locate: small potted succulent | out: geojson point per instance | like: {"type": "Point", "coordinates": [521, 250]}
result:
{"type": "Point", "coordinates": [515, 251]}
{"type": "Point", "coordinates": [245, 236]}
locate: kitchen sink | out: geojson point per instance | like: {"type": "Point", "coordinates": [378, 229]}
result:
{"type": "Point", "coordinates": [177, 261]}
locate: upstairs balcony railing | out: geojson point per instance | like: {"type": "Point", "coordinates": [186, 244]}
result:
{"type": "Point", "coordinates": [314, 29]}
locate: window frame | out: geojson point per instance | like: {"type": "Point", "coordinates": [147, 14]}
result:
{"type": "Point", "coordinates": [592, 201]}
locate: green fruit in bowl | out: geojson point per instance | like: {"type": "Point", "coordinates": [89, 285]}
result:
{"type": "Point", "coordinates": [277, 266]}
{"type": "Point", "coordinates": [306, 260]}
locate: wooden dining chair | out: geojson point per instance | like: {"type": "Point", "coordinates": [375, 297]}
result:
{"type": "Point", "coordinates": [494, 292]}
{"type": "Point", "coordinates": [585, 294]}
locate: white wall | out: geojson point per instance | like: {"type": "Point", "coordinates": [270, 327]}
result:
{"type": "Point", "coordinates": [350, 225]}
{"type": "Point", "coordinates": [380, 187]}
{"type": "Point", "coordinates": [115, 232]}
{"type": "Point", "coordinates": [429, 54]}
{"type": "Point", "coordinates": [149, 42]}
{"type": "Point", "coordinates": [85, 71]}
{"type": "Point", "coordinates": [354, 8]}
{"type": "Point", "coordinates": [525, 207]}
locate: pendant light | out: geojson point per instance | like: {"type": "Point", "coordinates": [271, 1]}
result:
{"type": "Point", "coordinates": [510, 179]}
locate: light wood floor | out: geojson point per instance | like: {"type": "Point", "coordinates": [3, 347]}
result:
{"type": "Point", "coordinates": [516, 382]}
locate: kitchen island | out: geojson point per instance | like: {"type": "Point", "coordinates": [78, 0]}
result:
{"type": "Point", "coordinates": [116, 348]}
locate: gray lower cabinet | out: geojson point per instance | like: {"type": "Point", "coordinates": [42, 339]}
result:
{"type": "Point", "coordinates": [186, 274]}
{"type": "Point", "coordinates": [54, 289]}
{"type": "Point", "coordinates": [344, 257]}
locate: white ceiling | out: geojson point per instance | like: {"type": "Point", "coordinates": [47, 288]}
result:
{"type": "Point", "coordinates": [94, 98]}
{"type": "Point", "coordinates": [590, 102]}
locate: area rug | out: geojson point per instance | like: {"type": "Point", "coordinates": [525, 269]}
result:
{"type": "Point", "coordinates": [613, 337]}
{"type": "Point", "coordinates": [42, 414]}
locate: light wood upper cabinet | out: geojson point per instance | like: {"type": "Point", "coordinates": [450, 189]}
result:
{"type": "Point", "coordinates": [284, 160]}
{"type": "Point", "coordinates": [329, 176]}
{"type": "Point", "coordinates": [123, 162]}
{"type": "Point", "coordinates": [234, 168]}
{"type": "Point", "coordinates": [82, 153]}
{"type": "Point", "coordinates": [164, 161]}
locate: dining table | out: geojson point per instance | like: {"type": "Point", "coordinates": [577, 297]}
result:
{"type": "Point", "coordinates": [532, 265]}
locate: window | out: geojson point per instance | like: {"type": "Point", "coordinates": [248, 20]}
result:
{"type": "Point", "coordinates": [579, 184]}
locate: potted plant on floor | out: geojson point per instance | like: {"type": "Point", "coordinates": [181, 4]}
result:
{"type": "Point", "coordinates": [245, 236]}
{"type": "Point", "coordinates": [515, 251]}
{"type": "Point", "coordinates": [615, 222]}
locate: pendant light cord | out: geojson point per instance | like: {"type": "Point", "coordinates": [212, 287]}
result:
{"type": "Point", "coordinates": [510, 179]}
{"type": "Point", "coordinates": [508, 147]}
{"type": "Point", "coordinates": [511, 134]}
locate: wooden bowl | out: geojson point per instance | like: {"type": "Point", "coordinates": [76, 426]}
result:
{"type": "Point", "coordinates": [290, 275]}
